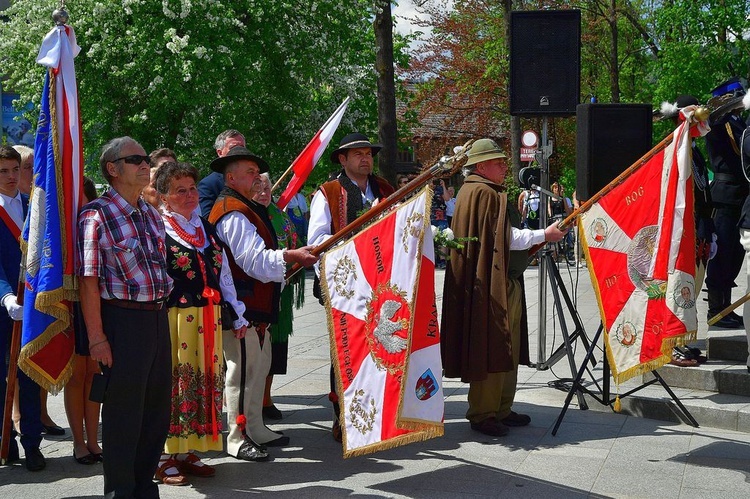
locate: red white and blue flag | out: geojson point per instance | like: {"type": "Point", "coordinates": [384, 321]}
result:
{"type": "Point", "coordinates": [308, 158]}
{"type": "Point", "coordinates": [49, 235]}
{"type": "Point", "coordinates": [639, 241]}
{"type": "Point", "coordinates": [379, 289]}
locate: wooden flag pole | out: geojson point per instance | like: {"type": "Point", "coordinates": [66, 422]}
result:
{"type": "Point", "coordinates": [716, 318]}
{"type": "Point", "coordinates": [15, 350]}
{"type": "Point", "coordinates": [444, 165]}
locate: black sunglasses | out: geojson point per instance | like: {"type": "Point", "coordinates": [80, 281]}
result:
{"type": "Point", "coordinates": [134, 159]}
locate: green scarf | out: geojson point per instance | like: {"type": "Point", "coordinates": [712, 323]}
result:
{"type": "Point", "coordinates": [287, 239]}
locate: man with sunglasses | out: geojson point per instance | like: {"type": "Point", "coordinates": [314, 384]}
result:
{"type": "Point", "coordinates": [124, 284]}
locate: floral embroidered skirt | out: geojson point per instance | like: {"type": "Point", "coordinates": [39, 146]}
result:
{"type": "Point", "coordinates": [195, 422]}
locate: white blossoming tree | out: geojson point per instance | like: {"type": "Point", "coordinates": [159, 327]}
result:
{"type": "Point", "coordinates": [175, 73]}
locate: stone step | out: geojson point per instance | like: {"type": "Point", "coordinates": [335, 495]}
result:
{"type": "Point", "coordinates": [710, 409]}
{"type": "Point", "coordinates": [731, 346]}
{"type": "Point", "coordinates": [712, 376]}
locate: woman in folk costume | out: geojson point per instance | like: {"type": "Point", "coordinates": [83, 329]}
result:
{"type": "Point", "coordinates": [202, 284]}
{"type": "Point", "coordinates": [286, 236]}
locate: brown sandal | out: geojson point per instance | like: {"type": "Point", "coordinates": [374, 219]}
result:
{"type": "Point", "coordinates": [169, 473]}
{"type": "Point", "coordinates": [192, 465]}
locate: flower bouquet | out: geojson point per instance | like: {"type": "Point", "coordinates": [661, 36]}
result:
{"type": "Point", "coordinates": [445, 238]}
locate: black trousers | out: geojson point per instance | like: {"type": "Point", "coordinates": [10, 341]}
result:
{"type": "Point", "coordinates": [28, 392]}
{"type": "Point", "coordinates": [136, 408]}
{"type": "Point", "coordinates": [723, 269]}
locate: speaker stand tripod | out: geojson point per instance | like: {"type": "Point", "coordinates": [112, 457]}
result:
{"type": "Point", "coordinates": [566, 349]}
{"type": "Point", "coordinates": [603, 396]}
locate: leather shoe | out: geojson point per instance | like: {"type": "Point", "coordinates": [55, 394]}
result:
{"type": "Point", "coordinates": [192, 465]}
{"type": "Point", "coordinates": [278, 442]}
{"type": "Point", "coordinates": [737, 317]}
{"type": "Point", "coordinates": [169, 473]}
{"type": "Point", "coordinates": [272, 412]}
{"type": "Point", "coordinates": [515, 419]}
{"type": "Point", "coordinates": [336, 431]}
{"type": "Point", "coordinates": [12, 451]}
{"type": "Point", "coordinates": [35, 460]}
{"type": "Point", "coordinates": [728, 322]}
{"type": "Point", "coordinates": [250, 451]}
{"type": "Point", "coordinates": [491, 427]}
{"type": "Point", "coordinates": [53, 430]}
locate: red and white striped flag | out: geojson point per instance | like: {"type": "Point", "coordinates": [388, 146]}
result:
{"type": "Point", "coordinates": [379, 289]}
{"type": "Point", "coordinates": [308, 158]}
{"type": "Point", "coordinates": [639, 241]}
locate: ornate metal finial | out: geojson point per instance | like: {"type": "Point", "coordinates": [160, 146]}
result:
{"type": "Point", "coordinates": [60, 16]}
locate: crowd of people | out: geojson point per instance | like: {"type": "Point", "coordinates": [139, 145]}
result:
{"type": "Point", "coordinates": [186, 311]}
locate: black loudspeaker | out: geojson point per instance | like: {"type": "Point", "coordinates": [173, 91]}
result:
{"type": "Point", "coordinates": [610, 138]}
{"type": "Point", "coordinates": [545, 62]}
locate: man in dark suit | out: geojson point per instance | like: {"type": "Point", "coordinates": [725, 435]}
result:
{"type": "Point", "coordinates": [213, 183]}
{"type": "Point", "coordinates": [13, 208]}
{"type": "Point", "coordinates": [728, 192]}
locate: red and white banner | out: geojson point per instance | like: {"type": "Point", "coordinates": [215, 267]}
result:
{"type": "Point", "coordinates": [304, 163]}
{"type": "Point", "coordinates": [639, 240]}
{"type": "Point", "coordinates": [379, 289]}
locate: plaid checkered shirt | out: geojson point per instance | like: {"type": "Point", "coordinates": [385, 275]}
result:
{"type": "Point", "coordinates": [123, 246]}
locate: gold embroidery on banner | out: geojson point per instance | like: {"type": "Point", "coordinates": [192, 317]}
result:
{"type": "Point", "coordinates": [634, 195]}
{"type": "Point", "coordinates": [611, 281]}
{"type": "Point", "coordinates": [412, 229]}
{"type": "Point", "coordinates": [361, 419]}
{"type": "Point", "coordinates": [341, 273]}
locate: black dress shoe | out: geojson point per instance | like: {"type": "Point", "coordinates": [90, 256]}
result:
{"type": "Point", "coordinates": [250, 451]}
{"type": "Point", "coordinates": [515, 419]}
{"type": "Point", "coordinates": [737, 317]}
{"type": "Point", "coordinates": [272, 412]}
{"type": "Point", "coordinates": [491, 427]}
{"type": "Point", "coordinates": [54, 430]}
{"type": "Point", "coordinates": [35, 460]}
{"type": "Point", "coordinates": [88, 459]}
{"type": "Point", "coordinates": [279, 442]}
{"type": "Point", "coordinates": [728, 322]}
{"type": "Point", "coordinates": [12, 452]}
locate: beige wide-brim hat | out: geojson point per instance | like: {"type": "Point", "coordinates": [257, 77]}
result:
{"type": "Point", "coordinates": [484, 150]}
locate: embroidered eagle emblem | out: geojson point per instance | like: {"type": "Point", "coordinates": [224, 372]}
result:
{"type": "Point", "coordinates": [386, 328]}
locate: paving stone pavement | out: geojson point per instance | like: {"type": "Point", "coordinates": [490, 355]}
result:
{"type": "Point", "coordinates": [594, 454]}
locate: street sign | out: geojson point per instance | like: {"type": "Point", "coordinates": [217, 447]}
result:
{"type": "Point", "coordinates": [529, 144]}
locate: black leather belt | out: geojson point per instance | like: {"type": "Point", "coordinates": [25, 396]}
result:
{"type": "Point", "coordinates": [136, 305]}
{"type": "Point", "coordinates": [726, 177]}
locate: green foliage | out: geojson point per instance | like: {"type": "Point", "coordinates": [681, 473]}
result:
{"type": "Point", "coordinates": [702, 43]}
{"type": "Point", "coordinates": [175, 73]}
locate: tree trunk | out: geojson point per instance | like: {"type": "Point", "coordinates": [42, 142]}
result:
{"type": "Point", "coordinates": [614, 65]}
{"type": "Point", "coordinates": [387, 129]}
{"type": "Point", "coordinates": [515, 121]}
